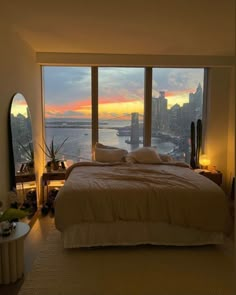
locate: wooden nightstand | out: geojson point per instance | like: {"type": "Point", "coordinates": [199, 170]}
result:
{"type": "Point", "coordinates": [24, 183]}
{"type": "Point", "coordinates": [215, 176]}
{"type": "Point", "coordinates": [51, 176]}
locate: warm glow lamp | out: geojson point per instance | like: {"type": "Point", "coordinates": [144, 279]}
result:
{"type": "Point", "coordinates": [204, 161]}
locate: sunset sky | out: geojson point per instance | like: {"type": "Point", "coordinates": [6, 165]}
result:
{"type": "Point", "coordinates": [67, 90]}
{"type": "Point", "coordinates": [19, 105]}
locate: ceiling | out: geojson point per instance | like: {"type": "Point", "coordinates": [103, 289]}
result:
{"type": "Point", "coordinates": [183, 27]}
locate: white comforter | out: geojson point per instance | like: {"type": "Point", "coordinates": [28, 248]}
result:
{"type": "Point", "coordinates": [141, 192]}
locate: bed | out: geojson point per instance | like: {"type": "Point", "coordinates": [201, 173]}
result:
{"type": "Point", "coordinates": [130, 203]}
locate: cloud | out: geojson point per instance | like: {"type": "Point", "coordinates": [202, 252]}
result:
{"type": "Point", "coordinates": [177, 79]}
{"type": "Point", "coordinates": [69, 88]}
{"type": "Point", "coordinates": [115, 99]}
{"type": "Point", "coordinates": [66, 114]}
{"type": "Point", "coordinates": [66, 83]}
{"type": "Point", "coordinates": [121, 81]}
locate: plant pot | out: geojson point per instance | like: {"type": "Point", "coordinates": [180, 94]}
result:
{"type": "Point", "coordinates": [55, 165]}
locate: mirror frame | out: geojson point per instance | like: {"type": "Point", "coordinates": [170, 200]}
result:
{"type": "Point", "coordinates": [12, 178]}
{"type": "Point", "coordinates": [12, 172]}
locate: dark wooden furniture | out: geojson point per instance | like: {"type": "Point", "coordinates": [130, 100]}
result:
{"type": "Point", "coordinates": [51, 176]}
{"type": "Point", "coordinates": [215, 176]}
{"type": "Point", "coordinates": [24, 177]}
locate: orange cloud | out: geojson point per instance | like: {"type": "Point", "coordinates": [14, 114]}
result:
{"type": "Point", "coordinates": [85, 106]}
{"type": "Point", "coordinates": [71, 106]}
{"type": "Point", "coordinates": [21, 102]}
{"type": "Point", "coordinates": [116, 99]}
{"type": "Point", "coordinates": [178, 92]}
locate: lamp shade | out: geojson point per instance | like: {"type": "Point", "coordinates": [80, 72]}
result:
{"type": "Point", "coordinates": [204, 160]}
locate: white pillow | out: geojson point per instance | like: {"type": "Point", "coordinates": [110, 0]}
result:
{"type": "Point", "coordinates": [145, 155]}
{"type": "Point", "coordinates": [107, 155]}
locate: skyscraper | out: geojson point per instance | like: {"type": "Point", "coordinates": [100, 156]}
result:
{"type": "Point", "coordinates": [159, 113]}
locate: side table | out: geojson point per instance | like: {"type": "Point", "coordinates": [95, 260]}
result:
{"type": "Point", "coordinates": [24, 179]}
{"type": "Point", "coordinates": [215, 176]}
{"type": "Point", "coordinates": [12, 254]}
{"type": "Point", "coordinates": [50, 176]}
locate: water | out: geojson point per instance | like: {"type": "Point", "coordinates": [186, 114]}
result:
{"type": "Point", "coordinates": [79, 143]}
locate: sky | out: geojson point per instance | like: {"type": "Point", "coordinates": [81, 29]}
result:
{"type": "Point", "coordinates": [19, 105]}
{"type": "Point", "coordinates": [67, 90]}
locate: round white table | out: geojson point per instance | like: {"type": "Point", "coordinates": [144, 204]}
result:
{"type": "Point", "coordinates": [12, 254]}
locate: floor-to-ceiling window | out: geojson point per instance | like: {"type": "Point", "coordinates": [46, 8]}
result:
{"type": "Point", "coordinates": [177, 100]}
{"type": "Point", "coordinates": [121, 106]}
{"type": "Point", "coordinates": [67, 96]}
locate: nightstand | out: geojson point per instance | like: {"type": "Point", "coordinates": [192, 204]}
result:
{"type": "Point", "coordinates": [215, 176]}
{"type": "Point", "coordinates": [24, 183]}
{"type": "Point", "coordinates": [52, 176]}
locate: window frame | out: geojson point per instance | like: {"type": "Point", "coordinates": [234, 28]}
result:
{"type": "Point", "coordinates": [148, 76]}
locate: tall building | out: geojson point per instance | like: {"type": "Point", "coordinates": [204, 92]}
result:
{"type": "Point", "coordinates": [195, 103]}
{"type": "Point", "coordinates": [159, 113]}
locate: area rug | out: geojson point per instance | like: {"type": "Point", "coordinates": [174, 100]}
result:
{"type": "Point", "coordinates": [142, 270]}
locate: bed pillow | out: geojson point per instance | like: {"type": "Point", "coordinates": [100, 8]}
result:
{"type": "Point", "coordinates": [144, 155]}
{"type": "Point", "coordinates": [110, 155]}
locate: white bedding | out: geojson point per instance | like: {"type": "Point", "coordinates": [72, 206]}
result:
{"type": "Point", "coordinates": [124, 233]}
{"type": "Point", "coordinates": [169, 194]}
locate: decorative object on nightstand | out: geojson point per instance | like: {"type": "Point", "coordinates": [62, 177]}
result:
{"type": "Point", "coordinates": [204, 161]}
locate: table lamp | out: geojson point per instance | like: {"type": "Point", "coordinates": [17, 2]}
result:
{"type": "Point", "coordinates": [204, 161]}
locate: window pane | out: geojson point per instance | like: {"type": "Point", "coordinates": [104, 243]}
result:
{"type": "Point", "coordinates": [67, 94]}
{"type": "Point", "coordinates": [177, 100]}
{"type": "Point", "coordinates": [121, 106]}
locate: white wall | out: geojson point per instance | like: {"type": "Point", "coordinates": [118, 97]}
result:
{"type": "Point", "coordinates": [231, 133]}
{"type": "Point", "coordinates": [18, 73]}
{"type": "Point", "coordinates": [220, 127]}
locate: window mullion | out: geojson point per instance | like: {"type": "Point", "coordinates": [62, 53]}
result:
{"type": "Point", "coordinates": [147, 106]}
{"type": "Point", "coordinates": [94, 90]}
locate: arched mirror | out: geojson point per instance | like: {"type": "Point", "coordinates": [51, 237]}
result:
{"type": "Point", "coordinates": [21, 151]}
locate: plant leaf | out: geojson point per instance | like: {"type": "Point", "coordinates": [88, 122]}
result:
{"type": "Point", "coordinates": [12, 213]}
{"type": "Point", "coordinates": [45, 152]}
{"type": "Point", "coordinates": [29, 151]}
{"type": "Point", "coordinates": [51, 150]}
{"type": "Point", "coordinates": [59, 147]}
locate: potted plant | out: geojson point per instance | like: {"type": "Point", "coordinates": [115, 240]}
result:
{"type": "Point", "coordinates": [51, 151]}
{"type": "Point", "coordinates": [8, 216]}
{"type": "Point", "coordinates": [29, 155]}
